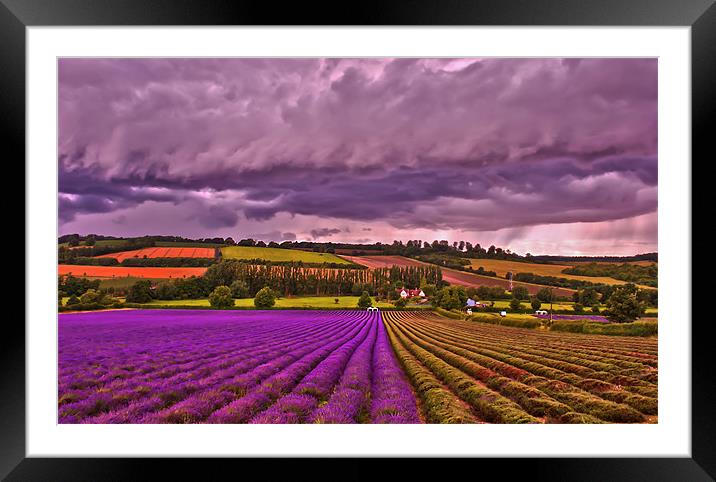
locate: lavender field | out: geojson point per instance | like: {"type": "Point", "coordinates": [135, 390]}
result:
{"type": "Point", "coordinates": [175, 366]}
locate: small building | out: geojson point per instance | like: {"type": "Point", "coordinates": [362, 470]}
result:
{"type": "Point", "coordinates": [541, 312]}
{"type": "Point", "coordinates": [503, 313]}
{"type": "Point", "coordinates": [470, 302]}
{"type": "Point", "coordinates": [417, 293]}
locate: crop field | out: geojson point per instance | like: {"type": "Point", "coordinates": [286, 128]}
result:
{"type": "Point", "coordinates": [279, 254]}
{"type": "Point", "coordinates": [125, 271]}
{"type": "Point", "coordinates": [502, 267]}
{"type": "Point", "coordinates": [152, 366]}
{"type": "Point", "coordinates": [201, 366]}
{"type": "Point", "coordinates": [469, 372]}
{"type": "Point", "coordinates": [452, 276]}
{"type": "Point", "coordinates": [162, 252]}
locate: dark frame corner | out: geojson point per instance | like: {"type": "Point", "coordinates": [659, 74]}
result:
{"type": "Point", "coordinates": [16, 15]}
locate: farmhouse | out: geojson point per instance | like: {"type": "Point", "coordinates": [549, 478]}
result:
{"type": "Point", "coordinates": [475, 304]}
{"type": "Point", "coordinates": [411, 293]}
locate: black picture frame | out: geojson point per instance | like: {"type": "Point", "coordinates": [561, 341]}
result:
{"type": "Point", "coordinates": [16, 15]}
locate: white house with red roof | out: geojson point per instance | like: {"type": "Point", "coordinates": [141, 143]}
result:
{"type": "Point", "coordinates": [418, 293]}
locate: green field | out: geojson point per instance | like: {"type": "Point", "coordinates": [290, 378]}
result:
{"type": "Point", "coordinates": [279, 254]}
{"type": "Point", "coordinates": [122, 282]}
{"type": "Point", "coordinates": [327, 302]}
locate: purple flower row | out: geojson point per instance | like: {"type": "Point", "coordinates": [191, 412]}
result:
{"type": "Point", "coordinates": [202, 366]}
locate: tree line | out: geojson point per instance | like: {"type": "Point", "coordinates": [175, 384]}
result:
{"type": "Point", "coordinates": [245, 280]}
{"type": "Point", "coordinates": [633, 273]}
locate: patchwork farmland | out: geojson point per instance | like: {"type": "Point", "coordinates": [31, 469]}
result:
{"type": "Point", "coordinates": [162, 252]}
{"type": "Point", "coordinates": [452, 276]}
{"type": "Point", "coordinates": [200, 366]}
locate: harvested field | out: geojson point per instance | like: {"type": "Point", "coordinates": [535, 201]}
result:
{"type": "Point", "coordinates": [122, 271]}
{"type": "Point", "coordinates": [452, 276]}
{"type": "Point", "coordinates": [383, 261]}
{"type": "Point", "coordinates": [162, 252]}
{"type": "Point", "coordinates": [468, 372]}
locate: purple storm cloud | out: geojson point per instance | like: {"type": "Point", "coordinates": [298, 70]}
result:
{"type": "Point", "coordinates": [541, 153]}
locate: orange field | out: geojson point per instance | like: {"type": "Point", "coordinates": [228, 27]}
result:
{"type": "Point", "coordinates": [122, 271]}
{"type": "Point", "coordinates": [452, 276]}
{"type": "Point", "coordinates": [162, 253]}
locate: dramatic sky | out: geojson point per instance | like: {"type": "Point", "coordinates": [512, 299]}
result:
{"type": "Point", "coordinates": [548, 156]}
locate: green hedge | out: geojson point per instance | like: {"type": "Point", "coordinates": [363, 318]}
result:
{"type": "Point", "coordinates": [168, 262]}
{"type": "Point", "coordinates": [90, 307]}
{"type": "Point", "coordinates": [498, 320]}
{"type": "Point", "coordinates": [637, 328]}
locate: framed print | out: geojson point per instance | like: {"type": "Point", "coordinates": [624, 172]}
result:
{"type": "Point", "coordinates": [426, 233]}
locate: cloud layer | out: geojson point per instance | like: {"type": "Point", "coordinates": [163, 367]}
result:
{"type": "Point", "coordinates": [417, 145]}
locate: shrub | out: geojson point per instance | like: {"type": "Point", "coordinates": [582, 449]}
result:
{"type": "Point", "coordinates": [520, 293]}
{"type": "Point", "coordinates": [450, 298]}
{"type": "Point", "coordinates": [265, 298]}
{"type": "Point", "coordinates": [166, 291]}
{"type": "Point", "coordinates": [536, 304]}
{"type": "Point", "coordinates": [83, 307]}
{"type": "Point", "coordinates": [545, 295]}
{"type": "Point", "coordinates": [91, 296]}
{"type": "Point", "coordinates": [523, 321]}
{"type": "Point", "coordinates": [515, 304]}
{"type": "Point", "coordinates": [140, 292]}
{"type": "Point", "coordinates": [221, 297]}
{"type": "Point", "coordinates": [578, 308]}
{"type": "Point", "coordinates": [429, 290]}
{"type": "Point", "coordinates": [364, 301]}
{"type": "Point", "coordinates": [401, 303]}
{"type": "Point", "coordinates": [72, 301]}
{"type": "Point", "coordinates": [239, 289]}
{"type": "Point", "coordinates": [638, 328]}
{"type": "Point", "coordinates": [623, 305]}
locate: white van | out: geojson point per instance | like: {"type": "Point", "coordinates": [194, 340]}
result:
{"type": "Point", "coordinates": [541, 312]}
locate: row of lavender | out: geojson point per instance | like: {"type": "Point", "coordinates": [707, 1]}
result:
{"type": "Point", "coordinates": [151, 366]}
